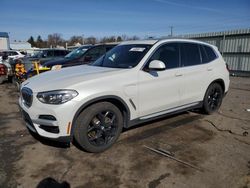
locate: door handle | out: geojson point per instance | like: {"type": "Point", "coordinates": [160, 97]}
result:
{"type": "Point", "coordinates": [178, 74]}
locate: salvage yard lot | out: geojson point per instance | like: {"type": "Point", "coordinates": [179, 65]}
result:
{"type": "Point", "coordinates": [219, 144]}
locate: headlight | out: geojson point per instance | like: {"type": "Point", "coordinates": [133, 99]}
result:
{"type": "Point", "coordinates": [56, 96]}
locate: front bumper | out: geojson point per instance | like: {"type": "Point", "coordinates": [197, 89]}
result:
{"type": "Point", "coordinates": [31, 127]}
{"type": "Point", "coordinates": [48, 121]}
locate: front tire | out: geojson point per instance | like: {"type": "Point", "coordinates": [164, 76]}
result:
{"type": "Point", "coordinates": [213, 98]}
{"type": "Point", "coordinates": [98, 127]}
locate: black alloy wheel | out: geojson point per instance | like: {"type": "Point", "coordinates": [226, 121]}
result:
{"type": "Point", "coordinates": [98, 127]}
{"type": "Point", "coordinates": [102, 128]}
{"type": "Point", "coordinates": [213, 98]}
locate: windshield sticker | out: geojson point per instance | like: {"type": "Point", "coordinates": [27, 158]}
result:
{"type": "Point", "coordinates": [137, 49]}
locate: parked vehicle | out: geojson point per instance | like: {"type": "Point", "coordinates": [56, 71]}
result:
{"type": "Point", "coordinates": [13, 54]}
{"type": "Point", "coordinates": [33, 64]}
{"type": "Point", "coordinates": [45, 55]}
{"type": "Point", "coordinates": [3, 73]}
{"type": "Point", "coordinates": [82, 55]}
{"type": "Point", "coordinates": [6, 61]}
{"type": "Point", "coordinates": [134, 82]}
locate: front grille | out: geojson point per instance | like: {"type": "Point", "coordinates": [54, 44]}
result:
{"type": "Point", "coordinates": [27, 96]}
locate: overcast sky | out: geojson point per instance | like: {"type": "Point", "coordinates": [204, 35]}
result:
{"type": "Point", "coordinates": [116, 17]}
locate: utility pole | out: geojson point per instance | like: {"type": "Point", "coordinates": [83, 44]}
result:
{"type": "Point", "coordinates": [171, 29]}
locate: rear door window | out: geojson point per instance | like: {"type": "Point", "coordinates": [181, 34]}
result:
{"type": "Point", "coordinates": [190, 54]}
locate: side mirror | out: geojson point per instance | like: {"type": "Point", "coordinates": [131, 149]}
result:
{"type": "Point", "coordinates": [156, 65]}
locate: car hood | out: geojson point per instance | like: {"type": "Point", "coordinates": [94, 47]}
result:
{"type": "Point", "coordinates": [59, 61]}
{"type": "Point", "coordinates": [67, 78]}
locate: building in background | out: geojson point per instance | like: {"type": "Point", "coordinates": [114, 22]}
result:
{"type": "Point", "coordinates": [4, 41]}
{"type": "Point", "coordinates": [234, 46]}
{"type": "Point", "coordinates": [21, 46]}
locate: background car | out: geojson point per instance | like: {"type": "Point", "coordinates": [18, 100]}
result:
{"type": "Point", "coordinates": [3, 73]}
{"type": "Point", "coordinates": [13, 54]}
{"type": "Point", "coordinates": [45, 55]}
{"type": "Point", "coordinates": [81, 55]}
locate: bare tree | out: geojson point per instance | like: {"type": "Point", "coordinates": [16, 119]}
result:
{"type": "Point", "coordinates": [124, 37]}
{"type": "Point", "coordinates": [74, 40]}
{"type": "Point", "coordinates": [55, 39]}
{"type": "Point", "coordinates": [90, 40]}
{"type": "Point", "coordinates": [108, 39]}
{"type": "Point", "coordinates": [134, 38]}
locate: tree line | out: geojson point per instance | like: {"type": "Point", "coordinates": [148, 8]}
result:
{"type": "Point", "coordinates": [56, 40]}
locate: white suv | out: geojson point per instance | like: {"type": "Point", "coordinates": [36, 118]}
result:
{"type": "Point", "coordinates": [132, 83]}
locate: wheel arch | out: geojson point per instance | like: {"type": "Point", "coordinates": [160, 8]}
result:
{"type": "Point", "coordinates": [220, 82]}
{"type": "Point", "coordinates": [117, 101]}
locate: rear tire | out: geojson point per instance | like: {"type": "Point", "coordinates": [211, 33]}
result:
{"type": "Point", "coordinates": [98, 127]}
{"type": "Point", "coordinates": [213, 98]}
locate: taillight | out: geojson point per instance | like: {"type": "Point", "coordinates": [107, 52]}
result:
{"type": "Point", "coordinates": [3, 69]}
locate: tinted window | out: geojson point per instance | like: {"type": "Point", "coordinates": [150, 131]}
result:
{"type": "Point", "coordinates": [207, 54]}
{"type": "Point", "coordinates": [168, 54]}
{"type": "Point", "coordinates": [50, 53]}
{"type": "Point", "coordinates": [76, 53]}
{"type": "Point", "coordinates": [13, 53]}
{"type": "Point", "coordinates": [204, 56]}
{"type": "Point", "coordinates": [109, 48]}
{"type": "Point", "coordinates": [59, 53]}
{"type": "Point", "coordinates": [210, 53]}
{"type": "Point", "coordinates": [96, 52]}
{"type": "Point", "coordinates": [190, 54]}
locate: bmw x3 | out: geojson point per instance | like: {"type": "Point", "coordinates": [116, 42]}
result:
{"type": "Point", "coordinates": [136, 81]}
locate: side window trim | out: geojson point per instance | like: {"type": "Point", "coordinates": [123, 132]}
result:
{"type": "Point", "coordinates": [199, 47]}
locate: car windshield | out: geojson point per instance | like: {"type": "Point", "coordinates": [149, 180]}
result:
{"type": "Point", "coordinates": [123, 56]}
{"type": "Point", "coordinates": [37, 54]}
{"type": "Point", "coordinates": [76, 53]}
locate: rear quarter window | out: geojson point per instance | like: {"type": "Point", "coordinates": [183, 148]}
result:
{"type": "Point", "coordinates": [207, 54]}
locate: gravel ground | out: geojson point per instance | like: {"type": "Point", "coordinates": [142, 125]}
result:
{"type": "Point", "coordinates": [218, 144]}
